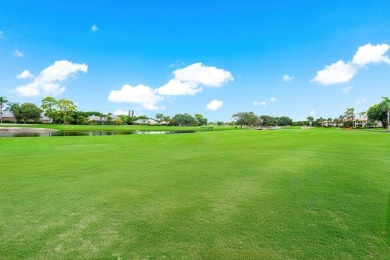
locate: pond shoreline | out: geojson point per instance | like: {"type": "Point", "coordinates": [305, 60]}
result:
{"type": "Point", "coordinates": [26, 129]}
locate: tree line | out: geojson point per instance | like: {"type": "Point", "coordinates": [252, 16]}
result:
{"type": "Point", "coordinates": [250, 119]}
{"type": "Point", "coordinates": [64, 111]}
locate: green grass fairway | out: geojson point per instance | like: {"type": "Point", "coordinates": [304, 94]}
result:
{"type": "Point", "coordinates": [298, 194]}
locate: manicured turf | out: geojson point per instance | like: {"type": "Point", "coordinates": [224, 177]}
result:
{"type": "Point", "coordinates": [306, 194]}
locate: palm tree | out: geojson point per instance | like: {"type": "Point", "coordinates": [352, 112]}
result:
{"type": "Point", "coordinates": [3, 101]}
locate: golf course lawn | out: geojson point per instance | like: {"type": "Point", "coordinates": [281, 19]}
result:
{"type": "Point", "coordinates": [293, 193]}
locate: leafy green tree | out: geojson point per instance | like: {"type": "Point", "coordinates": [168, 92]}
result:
{"type": "Point", "coordinates": [159, 117]}
{"type": "Point", "coordinates": [168, 119]}
{"type": "Point", "coordinates": [245, 118]}
{"type": "Point", "coordinates": [284, 121]}
{"type": "Point", "coordinates": [26, 112]}
{"type": "Point", "coordinates": [387, 109]}
{"type": "Point", "coordinates": [350, 115]}
{"type": "Point", "coordinates": [49, 106]}
{"type": "Point", "coordinates": [318, 121]}
{"type": "Point", "coordinates": [66, 110]}
{"type": "Point", "coordinates": [267, 120]}
{"type": "Point", "coordinates": [184, 120]}
{"type": "Point", "coordinates": [3, 102]}
{"type": "Point", "coordinates": [378, 112]}
{"type": "Point", "coordinates": [15, 109]}
{"type": "Point", "coordinates": [310, 119]}
{"type": "Point", "coordinates": [201, 120]}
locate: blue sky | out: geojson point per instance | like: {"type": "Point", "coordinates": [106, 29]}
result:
{"type": "Point", "coordinates": [294, 58]}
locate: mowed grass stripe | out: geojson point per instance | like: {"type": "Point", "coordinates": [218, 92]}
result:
{"type": "Point", "coordinates": [295, 193]}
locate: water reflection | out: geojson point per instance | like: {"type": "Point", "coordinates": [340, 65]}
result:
{"type": "Point", "coordinates": [44, 133]}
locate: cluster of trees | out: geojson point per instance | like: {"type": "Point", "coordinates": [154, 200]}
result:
{"type": "Point", "coordinates": [380, 112]}
{"type": "Point", "coordinates": [64, 111]}
{"type": "Point", "coordinates": [188, 120]}
{"type": "Point", "coordinates": [59, 111]}
{"type": "Point", "coordinates": [25, 112]}
{"type": "Point", "coordinates": [177, 120]}
{"type": "Point", "coordinates": [250, 119]}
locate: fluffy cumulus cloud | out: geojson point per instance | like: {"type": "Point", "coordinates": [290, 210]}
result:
{"type": "Point", "coordinates": [287, 78]}
{"type": "Point", "coordinates": [25, 75]}
{"type": "Point", "coordinates": [341, 72]}
{"type": "Point", "coordinates": [371, 54]}
{"type": "Point", "coordinates": [176, 87]}
{"type": "Point", "coordinates": [139, 94]}
{"type": "Point", "coordinates": [214, 105]}
{"type": "Point", "coordinates": [47, 83]}
{"type": "Point", "coordinates": [201, 74]}
{"type": "Point", "coordinates": [338, 72]}
{"type": "Point", "coordinates": [189, 80]}
{"type": "Point", "coordinates": [347, 89]}
{"type": "Point", "coordinates": [272, 99]}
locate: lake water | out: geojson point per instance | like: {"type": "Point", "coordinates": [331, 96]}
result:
{"type": "Point", "coordinates": [47, 133]}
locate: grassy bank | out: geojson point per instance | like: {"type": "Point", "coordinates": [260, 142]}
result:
{"type": "Point", "coordinates": [315, 193]}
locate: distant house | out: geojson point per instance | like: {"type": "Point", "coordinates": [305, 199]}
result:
{"type": "Point", "coordinates": [361, 121]}
{"type": "Point", "coordinates": [101, 119]}
{"type": "Point", "coordinates": [8, 116]}
{"type": "Point", "coordinates": [145, 122]}
{"type": "Point", "coordinates": [327, 123]}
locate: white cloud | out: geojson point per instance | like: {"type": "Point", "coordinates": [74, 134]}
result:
{"type": "Point", "coordinates": [47, 82]}
{"type": "Point", "coordinates": [187, 81]}
{"type": "Point", "coordinates": [341, 72]}
{"type": "Point", "coordinates": [371, 54]}
{"type": "Point", "coordinates": [214, 105]}
{"type": "Point", "coordinates": [287, 78]}
{"type": "Point", "coordinates": [360, 101]}
{"type": "Point", "coordinates": [272, 99]}
{"type": "Point", "coordinates": [94, 28]}
{"type": "Point", "coordinates": [312, 113]}
{"type": "Point", "coordinates": [18, 54]}
{"type": "Point", "coordinates": [347, 89]}
{"type": "Point", "coordinates": [25, 75]}
{"type": "Point", "coordinates": [201, 74]}
{"type": "Point", "coordinates": [338, 72]}
{"type": "Point", "coordinates": [62, 70]}
{"type": "Point", "coordinates": [255, 103]}
{"type": "Point", "coordinates": [139, 94]}
{"type": "Point", "coordinates": [176, 88]}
